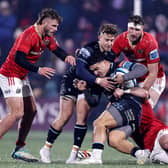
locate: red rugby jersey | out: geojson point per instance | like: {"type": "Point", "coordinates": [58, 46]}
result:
{"type": "Point", "coordinates": [31, 44]}
{"type": "Point", "coordinates": [149, 127]}
{"type": "Point", "coordinates": [145, 52]}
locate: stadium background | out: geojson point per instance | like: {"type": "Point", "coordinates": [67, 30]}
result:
{"type": "Point", "coordinates": [81, 19]}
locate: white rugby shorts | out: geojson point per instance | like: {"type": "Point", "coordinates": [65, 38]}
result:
{"type": "Point", "coordinates": [158, 154]}
{"type": "Point", "coordinates": [15, 87]}
{"type": "Point", "coordinates": [158, 85]}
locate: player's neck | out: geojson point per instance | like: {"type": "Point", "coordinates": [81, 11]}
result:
{"type": "Point", "coordinates": [39, 30]}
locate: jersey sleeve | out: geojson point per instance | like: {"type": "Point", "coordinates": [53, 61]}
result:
{"type": "Point", "coordinates": [25, 42]}
{"type": "Point", "coordinates": [53, 44]}
{"type": "Point", "coordinates": [82, 65]}
{"type": "Point", "coordinates": [152, 53]}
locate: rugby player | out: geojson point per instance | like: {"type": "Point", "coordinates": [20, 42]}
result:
{"type": "Point", "coordinates": [14, 83]}
{"type": "Point", "coordinates": [140, 46]}
{"type": "Point", "coordinates": [68, 98]}
{"type": "Point", "coordinates": [123, 112]}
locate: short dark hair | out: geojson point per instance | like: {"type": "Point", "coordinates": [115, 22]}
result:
{"type": "Point", "coordinates": [136, 19]}
{"type": "Point", "coordinates": [108, 28]}
{"type": "Point", "coordinates": [48, 13]}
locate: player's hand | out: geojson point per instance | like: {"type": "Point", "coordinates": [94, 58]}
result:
{"type": "Point", "coordinates": [119, 79]}
{"type": "Point", "coordinates": [118, 93]}
{"type": "Point", "coordinates": [70, 59]}
{"type": "Point", "coordinates": [106, 83]}
{"type": "Point", "coordinates": [47, 72]}
{"type": "Point", "coordinates": [79, 84]}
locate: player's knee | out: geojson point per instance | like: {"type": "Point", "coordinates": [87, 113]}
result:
{"type": "Point", "coordinates": [18, 115]}
{"type": "Point", "coordinates": [163, 141]}
{"type": "Point", "coordinates": [98, 123]}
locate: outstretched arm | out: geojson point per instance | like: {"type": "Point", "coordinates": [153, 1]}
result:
{"type": "Point", "coordinates": [137, 91]}
{"type": "Point", "coordinates": [59, 52]}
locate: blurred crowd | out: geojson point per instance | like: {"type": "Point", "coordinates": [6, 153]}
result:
{"type": "Point", "coordinates": [81, 19]}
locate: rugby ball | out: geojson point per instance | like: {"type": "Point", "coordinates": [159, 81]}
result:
{"type": "Point", "coordinates": [127, 84]}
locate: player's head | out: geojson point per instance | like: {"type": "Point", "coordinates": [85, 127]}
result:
{"type": "Point", "coordinates": [135, 28]}
{"type": "Point", "coordinates": [100, 67]}
{"type": "Point", "coordinates": [50, 21]}
{"type": "Point", "coordinates": [106, 35]}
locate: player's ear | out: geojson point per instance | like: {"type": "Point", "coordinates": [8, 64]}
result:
{"type": "Point", "coordinates": [44, 22]}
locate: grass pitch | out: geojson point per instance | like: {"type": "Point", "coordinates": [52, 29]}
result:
{"type": "Point", "coordinates": [60, 152]}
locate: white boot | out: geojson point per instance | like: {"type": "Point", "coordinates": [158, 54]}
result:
{"type": "Point", "coordinates": [45, 154]}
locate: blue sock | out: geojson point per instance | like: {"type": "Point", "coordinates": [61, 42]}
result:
{"type": "Point", "coordinates": [52, 134]}
{"type": "Point", "coordinates": [79, 134]}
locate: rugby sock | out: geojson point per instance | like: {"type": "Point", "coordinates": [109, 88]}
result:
{"type": "Point", "coordinates": [79, 134]}
{"type": "Point", "coordinates": [98, 146]}
{"type": "Point", "coordinates": [134, 150]}
{"type": "Point", "coordinates": [97, 151]}
{"type": "Point", "coordinates": [19, 144]}
{"type": "Point", "coordinates": [52, 136]}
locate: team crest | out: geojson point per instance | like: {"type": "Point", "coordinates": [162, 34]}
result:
{"type": "Point", "coordinates": [140, 51]}
{"type": "Point", "coordinates": [46, 42]}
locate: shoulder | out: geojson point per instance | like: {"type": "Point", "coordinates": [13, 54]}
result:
{"type": "Point", "coordinates": [149, 38]}
{"type": "Point", "coordinates": [92, 46]}
{"type": "Point", "coordinates": [29, 34]}
{"type": "Point", "coordinates": [89, 49]}
{"type": "Point", "coordinates": [122, 36]}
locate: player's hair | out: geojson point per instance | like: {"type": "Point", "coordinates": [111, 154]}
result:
{"type": "Point", "coordinates": [48, 13]}
{"type": "Point", "coordinates": [96, 59]}
{"type": "Point", "coordinates": [108, 29]}
{"type": "Point", "coordinates": [136, 19]}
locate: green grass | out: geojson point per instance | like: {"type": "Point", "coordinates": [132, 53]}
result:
{"type": "Point", "coordinates": [60, 152]}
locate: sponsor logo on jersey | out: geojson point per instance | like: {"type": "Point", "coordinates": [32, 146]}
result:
{"type": "Point", "coordinates": [84, 52]}
{"type": "Point", "coordinates": [7, 91]}
{"type": "Point", "coordinates": [46, 42]}
{"type": "Point", "coordinates": [18, 91]}
{"type": "Point", "coordinates": [154, 54]}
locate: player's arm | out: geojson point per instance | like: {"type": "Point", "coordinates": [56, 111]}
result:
{"type": "Point", "coordinates": [137, 91]}
{"type": "Point", "coordinates": [82, 70]}
{"type": "Point", "coordinates": [91, 99]}
{"type": "Point", "coordinates": [136, 70]}
{"type": "Point", "coordinates": [153, 71]}
{"type": "Point", "coordinates": [21, 60]}
{"type": "Point", "coordinates": [59, 52]}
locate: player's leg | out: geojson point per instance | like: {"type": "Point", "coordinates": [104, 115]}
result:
{"type": "Point", "coordinates": [156, 90]}
{"type": "Point", "coordinates": [15, 112]}
{"type": "Point", "coordinates": [80, 128]}
{"type": "Point", "coordinates": [25, 124]}
{"type": "Point", "coordinates": [90, 98]}
{"type": "Point", "coordinates": [118, 140]}
{"type": "Point", "coordinates": [104, 121]}
{"type": "Point", "coordinates": [66, 110]}
{"type": "Point", "coordinates": [159, 152]}
{"type": "Point", "coordinates": [118, 114]}
{"type": "Point", "coordinates": [12, 91]}
{"type": "Point", "coordinates": [67, 103]}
